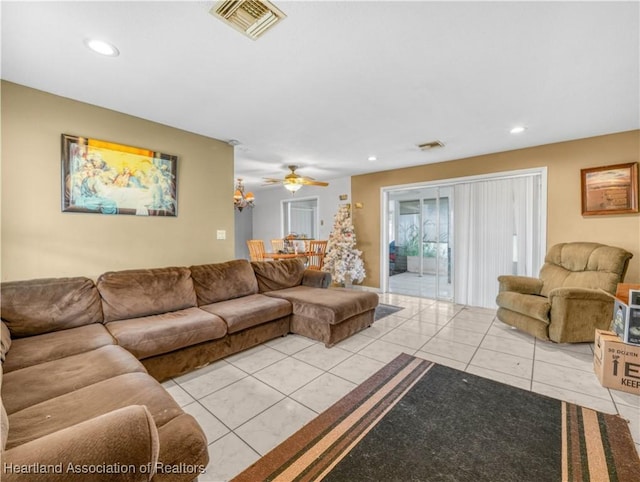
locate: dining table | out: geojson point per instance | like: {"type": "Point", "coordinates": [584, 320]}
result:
{"type": "Point", "coordinates": [301, 254]}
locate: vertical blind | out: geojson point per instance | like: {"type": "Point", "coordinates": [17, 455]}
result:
{"type": "Point", "coordinates": [497, 226]}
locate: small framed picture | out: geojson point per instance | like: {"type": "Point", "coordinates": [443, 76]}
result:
{"type": "Point", "coordinates": [610, 189]}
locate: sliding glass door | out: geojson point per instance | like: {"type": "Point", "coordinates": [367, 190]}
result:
{"type": "Point", "coordinates": [420, 243]}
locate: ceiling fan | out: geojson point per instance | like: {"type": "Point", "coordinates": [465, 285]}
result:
{"type": "Point", "coordinates": [292, 181]}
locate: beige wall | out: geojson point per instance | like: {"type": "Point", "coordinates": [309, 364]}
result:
{"type": "Point", "coordinates": [38, 240]}
{"type": "Point", "coordinates": [564, 219]}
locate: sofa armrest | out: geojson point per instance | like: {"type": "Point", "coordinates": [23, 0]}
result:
{"type": "Point", "coordinates": [520, 284]}
{"type": "Point", "coordinates": [316, 279]}
{"type": "Point", "coordinates": [122, 442]}
{"type": "Point", "coordinates": [576, 313]}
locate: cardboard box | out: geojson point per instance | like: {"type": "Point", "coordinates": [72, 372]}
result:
{"type": "Point", "coordinates": [617, 364]}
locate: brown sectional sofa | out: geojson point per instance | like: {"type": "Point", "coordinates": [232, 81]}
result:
{"type": "Point", "coordinates": [81, 360]}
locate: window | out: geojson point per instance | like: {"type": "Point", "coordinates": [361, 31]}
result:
{"type": "Point", "coordinates": [300, 217]}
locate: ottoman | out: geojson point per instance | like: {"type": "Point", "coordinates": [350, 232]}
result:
{"type": "Point", "coordinates": [329, 315]}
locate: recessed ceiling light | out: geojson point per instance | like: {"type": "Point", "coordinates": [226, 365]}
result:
{"type": "Point", "coordinates": [101, 47]}
{"type": "Point", "coordinates": [372, 158]}
{"type": "Point", "coordinates": [518, 129]}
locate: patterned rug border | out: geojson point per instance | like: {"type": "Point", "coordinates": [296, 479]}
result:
{"type": "Point", "coordinates": [313, 451]}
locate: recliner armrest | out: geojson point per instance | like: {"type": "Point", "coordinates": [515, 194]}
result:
{"type": "Point", "coordinates": [577, 312]}
{"type": "Point", "coordinates": [316, 279]}
{"type": "Point", "coordinates": [580, 294]}
{"type": "Point", "coordinates": [124, 440]}
{"type": "Point", "coordinates": [520, 284]}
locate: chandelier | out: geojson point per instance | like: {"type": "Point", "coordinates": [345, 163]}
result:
{"type": "Point", "coordinates": [241, 199]}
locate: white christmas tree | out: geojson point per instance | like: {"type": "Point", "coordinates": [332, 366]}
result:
{"type": "Point", "coordinates": [343, 259]}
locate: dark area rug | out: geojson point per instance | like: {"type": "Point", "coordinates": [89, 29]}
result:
{"type": "Point", "coordinates": [383, 310]}
{"type": "Point", "coordinates": [417, 421]}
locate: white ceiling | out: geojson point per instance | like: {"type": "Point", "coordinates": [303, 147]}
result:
{"type": "Point", "coordinates": [336, 82]}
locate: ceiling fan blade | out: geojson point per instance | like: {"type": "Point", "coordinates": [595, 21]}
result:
{"type": "Point", "coordinates": [271, 180]}
{"type": "Point", "coordinates": [310, 182]}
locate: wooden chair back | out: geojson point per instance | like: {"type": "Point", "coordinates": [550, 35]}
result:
{"type": "Point", "coordinates": [256, 249]}
{"type": "Point", "coordinates": [315, 254]}
{"type": "Point", "coordinates": [277, 245]}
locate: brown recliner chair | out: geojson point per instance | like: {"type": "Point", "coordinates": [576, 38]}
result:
{"type": "Point", "coordinates": [571, 298]}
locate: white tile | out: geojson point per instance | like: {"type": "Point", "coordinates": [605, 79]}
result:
{"type": "Point", "coordinates": [449, 349]}
{"type": "Point", "coordinates": [556, 355]}
{"type": "Point", "coordinates": [181, 397]}
{"type": "Point", "coordinates": [255, 358]}
{"type": "Point", "coordinates": [288, 375]}
{"type": "Point", "coordinates": [503, 362]}
{"type": "Point", "coordinates": [274, 425]}
{"type": "Point", "coordinates": [409, 339]}
{"type": "Point", "coordinates": [357, 368]}
{"type": "Point", "coordinates": [421, 327]}
{"type": "Point", "coordinates": [501, 377]}
{"type": "Point", "coordinates": [625, 398]}
{"type": "Point", "coordinates": [459, 335]}
{"type": "Point", "coordinates": [355, 342]}
{"type": "Point", "coordinates": [375, 331]}
{"type": "Point", "coordinates": [322, 357]}
{"type": "Point", "coordinates": [441, 360]}
{"type": "Point", "coordinates": [585, 400]}
{"type": "Point", "coordinates": [433, 317]}
{"type": "Point", "coordinates": [211, 426]}
{"type": "Point", "coordinates": [290, 344]}
{"type": "Point", "coordinates": [237, 403]}
{"type": "Point", "coordinates": [206, 380]}
{"type": "Point", "coordinates": [475, 315]}
{"type": "Point", "coordinates": [478, 326]}
{"type": "Point", "coordinates": [323, 392]}
{"type": "Point", "coordinates": [503, 330]}
{"type": "Point", "coordinates": [384, 351]}
{"type": "Point", "coordinates": [511, 345]}
{"type": "Point", "coordinates": [228, 457]}
{"type": "Point", "coordinates": [569, 378]}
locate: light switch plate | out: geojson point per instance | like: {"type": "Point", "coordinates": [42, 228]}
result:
{"type": "Point", "coordinates": [221, 234]}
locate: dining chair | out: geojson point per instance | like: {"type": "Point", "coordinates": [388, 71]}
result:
{"type": "Point", "coordinates": [256, 249]}
{"type": "Point", "coordinates": [315, 254]}
{"type": "Point", "coordinates": [277, 245]}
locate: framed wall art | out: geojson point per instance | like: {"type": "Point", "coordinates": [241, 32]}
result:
{"type": "Point", "coordinates": [610, 189]}
{"type": "Point", "coordinates": [108, 178]}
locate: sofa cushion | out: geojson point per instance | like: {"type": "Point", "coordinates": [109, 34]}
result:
{"type": "Point", "coordinates": [5, 341]}
{"type": "Point", "coordinates": [40, 306]}
{"type": "Point", "coordinates": [57, 377]}
{"type": "Point", "coordinates": [223, 281]}
{"type": "Point", "coordinates": [58, 344]}
{"type": "Point", "coordinates": [277, 275]}
{"type": "Point", "coordinates": [248, 311]}
{"type": "Point", "coordinates": [92, 401]}
{"type": "Point", "coordinates": [537, 307]}
{"type": "Point", "coordinates": [143, 292]}
{"type": "Point", "coordinates": [157, 334]}
{"type": "Point", "coordinates": [331, 305]}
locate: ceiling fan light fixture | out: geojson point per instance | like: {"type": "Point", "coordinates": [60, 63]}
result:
{"type": "Point", "coordinates": [292, 187]}
{"type": "Point", "coordinates": [251, 17]}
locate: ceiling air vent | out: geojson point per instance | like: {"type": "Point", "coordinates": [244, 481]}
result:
{"type": "Point", "coordinates": [430, 145]}
{"type": "Point", "coordinates": [251, 17]}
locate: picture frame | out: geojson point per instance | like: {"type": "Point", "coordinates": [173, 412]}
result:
{"type": "Point", "coordinates": [109, 178]}
{"type": "Point", "coordinates": [610, 189]}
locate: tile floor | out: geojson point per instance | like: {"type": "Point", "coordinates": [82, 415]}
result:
{"type": "Point", "coordinates": [251, 401]}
